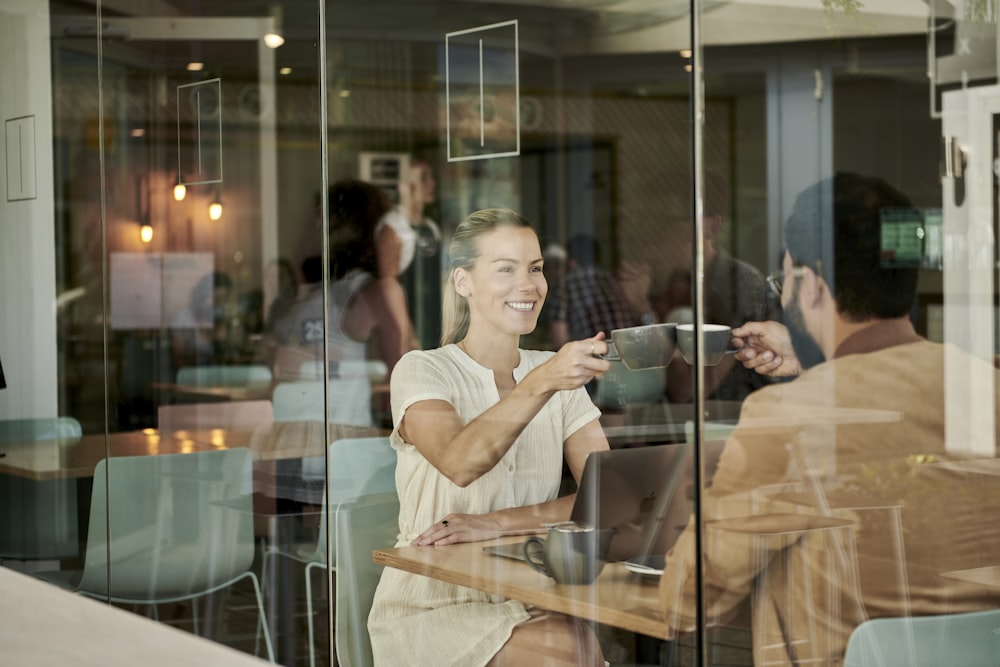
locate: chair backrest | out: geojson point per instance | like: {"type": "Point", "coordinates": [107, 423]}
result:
{"type": "Point", "coordinates": [349, 401]}
{"type": "Point", "coordinates": [957, 640]}
{"type": "Point", "coordinates": [362, 525]}
{"type": "Point", "coordinates": [42, 428]}
{"type": "Point", "coordinates": [41, 522]}
{"type": "Point", "coordinates": [171, 524]}
{"type": "Point", "coordinates": [620, 387]}
{"type": "Point", "coordinates": [219, 414]}
{"type": "Point", "coordinates": [357, 467]}
{"type": "Point", "coordinates": [714, 431]}
{"type": "Point", "coordinates": [224, 376]}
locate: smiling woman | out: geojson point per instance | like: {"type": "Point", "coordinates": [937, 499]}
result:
{"type": "Point", "coordinates": [481, 430]}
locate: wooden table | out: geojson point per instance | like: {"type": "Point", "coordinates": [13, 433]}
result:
{"type": "Point", "coordinates": [74, 458]}
{"type": "Point", "coordinates": [987, 577]}
{"type": "Point", "coordinates": [216, 392]}
{"type": "Point", "coordinates": [617, 598]}
{"type": "Point", "coordinates": [44, 626]}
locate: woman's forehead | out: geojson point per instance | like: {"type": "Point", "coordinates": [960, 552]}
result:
{"type": "Point", "coordinates": [513, 242]}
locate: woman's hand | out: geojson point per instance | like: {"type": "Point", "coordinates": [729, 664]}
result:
{"type": "Point", "coordinates": [766, 347]}
{"type": "Point", "coordinates": [576, 363]}
{"type": "Point", "coordinates": [456, 528]}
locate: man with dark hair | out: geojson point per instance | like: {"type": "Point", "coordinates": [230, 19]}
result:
{"type": "Point", "coordinates": [734, 292]}
{"type": "Point", "coordinates": [859, 436]}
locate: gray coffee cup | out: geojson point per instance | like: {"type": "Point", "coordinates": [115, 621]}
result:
{"type": "Point", "coordinates": [717, 337]}
{"type": "Point", "coordinates": [570, 554]}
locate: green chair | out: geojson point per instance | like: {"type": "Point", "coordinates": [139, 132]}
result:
{"type": "Point", "coordinates": [42, 518]}
{"type": "Point", "coordinates": [621, 387]}
{"type": "Point", "coordinates": [357, 467]}
{"type": "Point", "coordinates": [363, 525]}
{"type": "Point", "coordinates": [951, 640]}
{"type": "Point", "coordinates": [224, 376]}
{"type": "Point", "coordinates": [169, 528]}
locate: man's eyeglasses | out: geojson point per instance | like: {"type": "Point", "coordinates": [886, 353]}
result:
{"type": "Point", "coordinates": [776, 280]}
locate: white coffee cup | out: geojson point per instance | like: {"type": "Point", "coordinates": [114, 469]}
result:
{"type": "Point", "coordinates": [716, 336]}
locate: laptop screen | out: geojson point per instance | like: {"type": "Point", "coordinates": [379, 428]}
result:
{"type": "Point", "coordinates": [637, 492]}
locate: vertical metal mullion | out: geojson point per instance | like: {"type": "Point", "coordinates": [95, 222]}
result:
{"type": "Point", "coordinates": [324, 206]}
{"type": "Point", "coordinates": [697, 167]}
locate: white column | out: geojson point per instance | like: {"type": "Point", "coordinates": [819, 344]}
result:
{"type": "Point", "coordinates": [27, 213]}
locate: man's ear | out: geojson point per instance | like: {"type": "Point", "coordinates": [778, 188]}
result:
{"type": "Point", "coordinates": [462, 282]}
{"type": "Point", "coordinates": [813, 288]}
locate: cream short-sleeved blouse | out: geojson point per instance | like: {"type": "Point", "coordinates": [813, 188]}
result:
{"type": "Point", "coordinates": [416, 620]}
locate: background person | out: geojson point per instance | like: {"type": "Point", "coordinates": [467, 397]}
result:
{"type": "Point", "coordinates": [848, 332]}
{"type": "Point", "coordinates": [734, 292]}
{"type": "Point", "coordinates": [482, 429]}
{"type": "Point", "coordinates": [361, 306]}
{"type": "Point", "coordinates": [409, 246]}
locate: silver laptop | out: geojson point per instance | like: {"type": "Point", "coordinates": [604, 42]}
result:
{"type": "Point", "coordinates": [630, 490]}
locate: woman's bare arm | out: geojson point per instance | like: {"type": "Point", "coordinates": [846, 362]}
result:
{"type": "Point", "coordinates": [519, 520]}
{"type": "Point", "coordinates": [463, 453]}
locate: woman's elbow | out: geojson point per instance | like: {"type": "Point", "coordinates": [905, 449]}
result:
{"type": "Point", "coordinates": [462, 478]}
{"type": "Point", "coordinates": [461, 475]}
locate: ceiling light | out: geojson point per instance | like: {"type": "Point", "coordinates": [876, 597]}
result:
{"type": "Point", "coordinates": [685, 53]}
{"type": "Point", "coordinates": [345, 93]}
{"type": "Point", "coordinates": [195, 66]}
{"type": "Point", "coordinates": [138, 132]}
{"type": "Point", "coordinates": [285, 71]}
{"type": "Point", "coordinates": [215, 208]}
{"type": "Point", "coordinates": [146, 232]}
{"type": "Point", "coordinates": [180, 190]}
{"type": "Point", "coordinates": [273, 37]}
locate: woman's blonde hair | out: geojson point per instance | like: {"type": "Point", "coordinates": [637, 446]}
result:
{"type": "Point", "coordinates": [463, 252]}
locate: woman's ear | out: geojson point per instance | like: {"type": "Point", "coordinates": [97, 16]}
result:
{"type": "Point", "coordinates": [461, 279]}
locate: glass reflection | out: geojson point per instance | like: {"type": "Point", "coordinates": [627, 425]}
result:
{"type": "Point", "coordinates": [150, 347]}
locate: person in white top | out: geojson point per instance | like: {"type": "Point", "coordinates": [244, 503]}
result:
{"type": "Point", "coordinates": [396, 233]}
{"type": "Point", "coordinates": [481, 430]}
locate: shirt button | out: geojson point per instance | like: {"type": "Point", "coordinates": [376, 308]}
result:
{"type": "Point", "coordinates": [510, 468]}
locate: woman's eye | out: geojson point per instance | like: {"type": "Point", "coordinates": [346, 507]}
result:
{"type": "Point", "coordinates": [507, 269]}
{"type": "Point", "coordinates": [536, 269]}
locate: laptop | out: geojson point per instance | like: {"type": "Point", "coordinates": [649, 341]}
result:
{"type": "Point", "coordinates": [636, 492]}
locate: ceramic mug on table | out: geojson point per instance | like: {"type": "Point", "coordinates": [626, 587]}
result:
{"type": "Point", "coordinates": [570, 554]}
{"type": "Point", "coordinates": [716, 336]}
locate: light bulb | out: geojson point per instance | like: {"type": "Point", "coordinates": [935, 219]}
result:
{"type": "Point", "coordinates": [215, 210]}
{"type": "Point", "coordinates": [180, 192]}
{"type": "Point", "coordinates": [273, 40]}
{"type": "Point", "coordinates": [146, 233]}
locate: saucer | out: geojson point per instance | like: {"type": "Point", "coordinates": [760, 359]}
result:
{"type": "Point", "coordinates": [649, 566]}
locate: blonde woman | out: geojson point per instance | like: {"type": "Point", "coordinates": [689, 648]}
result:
{"type": "Point", "coordinates": [481, 430]}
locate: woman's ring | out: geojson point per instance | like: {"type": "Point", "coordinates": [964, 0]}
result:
{"type": "Point", "coordinates": [445, 522]}
{"type": "Point", "coordinates": [591, 348]}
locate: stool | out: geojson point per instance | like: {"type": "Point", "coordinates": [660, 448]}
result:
{"type": "Point", "coordinates": [838, 500]}
{"type": "Point", "coordinates": [775, 541]}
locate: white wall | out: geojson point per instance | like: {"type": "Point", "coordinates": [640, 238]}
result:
{"type": "Point", "coordinates": [27, 235]}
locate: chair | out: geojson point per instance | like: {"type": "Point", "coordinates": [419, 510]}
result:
{"type": "Point", "coordinates": [349, 400]}
{"type": "Point", "coordinates": [958, 640]}
{"type": "Point", "coordinates": [620, 386]}
{"type": "Point", "coordinates": [362, 525]}
{"type": "Point", "coordinates": [224, 376]}
{"type": "Point", "coordinates": [222, 414]}
{"type": "Point", "coordinates": [357, 467]}
{"type": "Point", "coordinates": [169, 528]}
{"type": "Point", "coordinates": [46, 525]}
